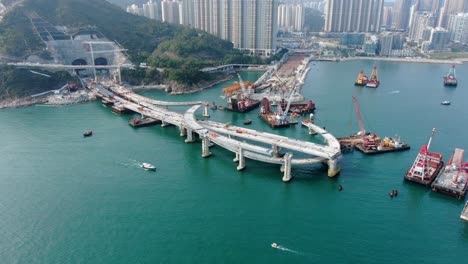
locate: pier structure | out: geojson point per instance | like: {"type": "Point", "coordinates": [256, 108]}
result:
{"type": "Point", "coordinates": [244, 143]}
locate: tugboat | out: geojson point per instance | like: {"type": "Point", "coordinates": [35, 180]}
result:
{"type": "Point", "coordinates": [374, 79]}
{"type": "Point", "coordinates": [450, 79]}
{"type": "Point", "coordinates": [426, 166]}
{"type": "Point", "coordinates": [361, 79]}
{"type": "Point", "coordinates": [88, 133]}
{"type": "Point", "coordinates": [147, 166]}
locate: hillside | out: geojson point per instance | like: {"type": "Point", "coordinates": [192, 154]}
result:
{"type": "Point", "coordinates": [179, 50]}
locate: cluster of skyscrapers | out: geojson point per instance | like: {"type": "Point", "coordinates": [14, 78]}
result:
{"type": "Point", "coordinates": [249, 24]}
{"type": "Point", "coordinates": [253, 24]}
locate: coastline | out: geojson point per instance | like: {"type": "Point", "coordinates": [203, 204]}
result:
{"type": "Point", "coordinates": [408, 60]}
{"type": "Point", "coordinates": [77, 97]}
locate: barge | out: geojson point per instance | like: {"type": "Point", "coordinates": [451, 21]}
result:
{"type": "Point", "coordinates": [426, 166]}
{"type": "Point", "coordinates": [238, 97]}
{"type": "Point", "coordinates": [361, 79]}
{"type": "Point", "coordinates": [300, 109]}
{"type": "Point", "coordinates": [464, 214]}
{"type": "Point", "coordinates": [369, 143]}
{"type": "Point", "coordinates": [142, 122]}
{"type": "Point", "coordinates": [450, 79]}
{"type": "Point", "coordinates": [453, 178]}
{"type": "Point", "coordinates": [275, 119]}
{"type": "Point", "coordinates": [120, 109]}
{"type": "Point", "coordinates": [374, 79]}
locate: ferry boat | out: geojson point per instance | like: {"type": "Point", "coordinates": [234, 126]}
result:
{"type": "Point", "coordinates": [374, 79]}
{"type": "Point", "coordinates": [361, 79]}
{"type": "Point", "coordinates": [453, 178]}
{"type": "Point", "coordinates": [426, 166]}
{"type": "Point", "coordinates": [88, 133]}
{"type": "Point", "coordinates": [450, 79]}
{"type": "Point", "coordinates": [147, 166]}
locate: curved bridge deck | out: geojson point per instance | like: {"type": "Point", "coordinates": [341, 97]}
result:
{"type": "Point", "coordinates": [245, 143]}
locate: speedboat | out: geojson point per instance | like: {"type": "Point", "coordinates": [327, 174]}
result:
{"type": "Point", "coordinates": [445, 103]}
{"type": "Point", "coordinates": [274, 245]}
{"type": "Point", "coordinates": [147, 166]}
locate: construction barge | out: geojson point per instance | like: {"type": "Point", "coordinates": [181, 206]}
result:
{"type": "Point", "coordinates": [239, 98]}
{"type": "Point", "coordinates": [142, 122]}
{"type": "Point", "coordinates": [276, 119]}
{"type": "Point", "coordinates": [369, 143]}
{"type": "Point", "coordinates": [450, 79]}
{"type": "Point", "coordinates": [426, 166]}
{"type": "Point", "coordinates": [453, 178]}
{"type": "Point", "coordinates": [464, 214]}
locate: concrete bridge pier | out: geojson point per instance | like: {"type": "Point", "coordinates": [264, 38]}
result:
{"type": "Point", "coordinates": [189, 138]}
{"type": "Point", "coordinates": [241, 159]}
{"type": "Point", "coordinates": [275, 151]}
{"type": "Point", "coordinates": [206, 146]}
{"type": "Point", "coordinates": [164, 124]}
{"type": "Point", "coordinates": [183, 131]}
{"type": "Point", "coordinates": [334, 166]}
{"type": "Point", "coordinates": [287, 167]}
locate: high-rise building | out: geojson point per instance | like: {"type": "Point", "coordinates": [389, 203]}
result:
{"type": "Point", "coordinates": [152, 9]}
{"type": "Point", "coordinates": [401, 14]}
{"type": "Point", "coordinates": [290, 17]}
{"type": "Point", "coordinates": [387, 17]}
{"type": "Point", "coordinates": [439, 39]}
{"type": "Point", "coordinates": [134, 9]}
{"type": "Point", "coordinates": [353, 16]}
{"type": "Point", "coordinates": [452, 7]}
{"type": "Point", "coordinates": [458, 28]}
{"type": "Point", "coordinates": [421, 20]}
{"type": "Point", "coordinates": [249, 24]}
{"type": "Point", "coordinates": [170, 11]}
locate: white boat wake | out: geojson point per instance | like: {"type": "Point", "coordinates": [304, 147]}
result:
{"type": "Point", "coordinates": [274, 245]}
{"type": "Point", "coordinates": [394, 92]}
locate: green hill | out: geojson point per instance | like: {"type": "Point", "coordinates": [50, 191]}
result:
{"type": "Point", "coordinates": [179, 50]}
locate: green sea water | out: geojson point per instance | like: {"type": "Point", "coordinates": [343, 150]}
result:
{"type": "Point", "coordinates": [69, 199]}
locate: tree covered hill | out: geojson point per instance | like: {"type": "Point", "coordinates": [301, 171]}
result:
{"type": "Point", "coordinates": [179, 50]}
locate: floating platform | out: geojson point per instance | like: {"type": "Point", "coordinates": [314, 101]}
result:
{"type": "Point", "coordinates": [380, 149]}
{"type": "Point", "coordinates": [464, 214]}
{"type": "Point", "coordinates": [274, 122]}
{"type": "Point", "coordinates": [426, 181]}
{"type": "Point", "coordinates": [107, 102]}
{"type": "Point", "coordinates": [382, 146]}
{"type": "Point", "coordinates": [120, 109]}
{"type": "Point", "coordinates": [453, 178]}
{"type": "Point", "coordinates": [142, 122]}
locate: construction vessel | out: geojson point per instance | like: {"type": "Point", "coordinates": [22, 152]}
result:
{"type": "Point", "coordinates": [426, 166]}
{"type": "Point", "coordinates": [144, 121]}
{"type": "Point", "coordinates": [369, 143]}
{"type": "Point", "coordinates": [278, 118]}
{"type": "Point", "coordinates": [450, 79]}
{"type": "Point", "coordinates": [299, 109]}
{"type": "Point", "coordinates": [238, 97]}
{"type": "Point", "coordinates": [464, 214]}
{"type": "Point", "coordinates": [374, 79]}
{"type": "Point", "coordinates": [361, 79]}
{"type": "Point", "coordinates": [453, 178]}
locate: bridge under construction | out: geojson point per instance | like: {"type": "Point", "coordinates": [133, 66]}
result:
{"type": "Point", "coordinates": [244, 143]}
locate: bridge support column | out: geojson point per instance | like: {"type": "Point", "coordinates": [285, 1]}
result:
{"type": "Point", "coordinates": [287, 167]}
{"type": "Point", "coordinates": [334, 166]}
{"type": "Point", "coordinates": [164, 124]}
{"type": "Point", "coordinates": [189, 138]}
{"type": "Point", "coordinates": [183, 131]}
{"type": "Point", "coordinates": [241, 159]}
{"type": "Point", "coordinates": [275, 151]}
{"type": "Point", "coordinates": [205, 111]}
{"type": "Point", "coordinates": [236, 159]}
{"type": "Point", "coordinates": [205, 146]}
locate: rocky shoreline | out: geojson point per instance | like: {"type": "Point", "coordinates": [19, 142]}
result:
{"type": "Point", "coordinates": [80, 96]}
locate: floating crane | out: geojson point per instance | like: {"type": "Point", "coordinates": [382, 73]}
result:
{"type": "Point", "coordinates": [451, 79]}
{"type": "Point", "coordinates": [374, 79]}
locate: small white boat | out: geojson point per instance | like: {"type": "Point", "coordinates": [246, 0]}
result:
{"type": "Point", "coordinates": [147, 166]}
{"type": "Point", "coordinates": [274, 245]}
{"type": "Point", "coordinates": [445, 103]}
